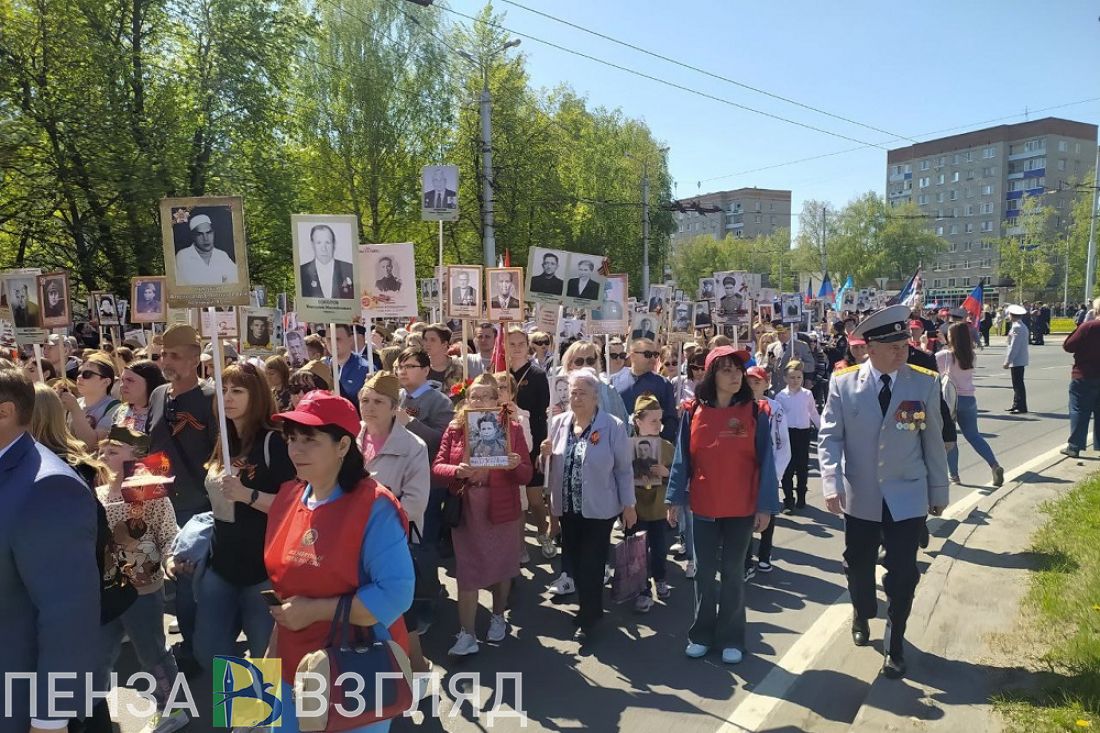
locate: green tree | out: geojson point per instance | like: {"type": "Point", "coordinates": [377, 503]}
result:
{"type": "Point", "coordinates": [1026, 254]}
{"type": "Point", "coordinates": [1077, 238]}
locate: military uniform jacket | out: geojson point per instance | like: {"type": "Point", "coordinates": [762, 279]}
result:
{"type": "Point", "coordinates": [906, 466]}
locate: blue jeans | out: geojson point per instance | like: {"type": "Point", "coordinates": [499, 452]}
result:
{"type": "Point", "coordinates": [143, 622]}
{"type": "Point", "coordinates": [224, 610]}
{"type": "Point", "coordinates": [185, 597]}
{"type": "Point", "coordinates": [1084, 398]}
{"type": "Point", "coordinates": [966, 415]}
{"type": "Point", "coordinates": [720, 547]}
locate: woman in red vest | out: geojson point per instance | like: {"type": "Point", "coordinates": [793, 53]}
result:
{"type": "Point", "coordinates": [332, 532]}
{"type": "Point", "coordinates": [725, 472]}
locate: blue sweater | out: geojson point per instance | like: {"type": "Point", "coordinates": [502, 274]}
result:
{"type": "Point", "coordinates": [660, 388]}
{"type": "Point", "coordinates": [679, 477]}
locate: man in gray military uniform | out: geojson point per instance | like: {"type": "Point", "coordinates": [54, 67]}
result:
{"type": "Point", "coordinates": [884, 487]}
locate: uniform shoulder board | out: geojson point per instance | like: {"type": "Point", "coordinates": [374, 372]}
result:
{"type": "Point", "coordinates": [923, 370]}
{"type": "Point", "coordinates": [846, 370]}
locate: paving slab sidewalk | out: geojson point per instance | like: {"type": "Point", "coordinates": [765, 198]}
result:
{"type": "Point", "coordinates": [966, 607]}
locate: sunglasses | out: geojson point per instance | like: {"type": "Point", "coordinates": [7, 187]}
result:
{"type": "Point", "coordinates": [620, 355]}
{"type": "Point", "coordinates": [89, 373]}
{"type": "Point", "coordinates": [540, 342]}
{"type": "Point", "coordinates": [300, 389]}
{"type": "Point", "coordinates": [648, 354]}
{"type": "Point", "coordinates": [672, 363]}
{"type": "Point", "coordinates": [155, 357]}
{"type": "Point", "coordinates": [582, 361]}
{"type": "Point", "coordinates": [695, 366]}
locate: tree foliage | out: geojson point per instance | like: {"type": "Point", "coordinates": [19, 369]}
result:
{"type": "Point", "coordinates": [1026, 255]}
{"type": "Point", "coordinates": [704, 255]}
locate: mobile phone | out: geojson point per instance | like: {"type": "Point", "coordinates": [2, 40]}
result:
{"type": "Point", "coordinates": [271, 598]}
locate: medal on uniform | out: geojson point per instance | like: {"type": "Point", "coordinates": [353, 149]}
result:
{"type": "Point", "coordinates": [910, 415]}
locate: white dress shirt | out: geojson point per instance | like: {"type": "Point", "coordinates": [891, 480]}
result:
{"type": "Point", "coordinates": [324, 276]}
{"type": "Point", "coordinates": [192, 269]}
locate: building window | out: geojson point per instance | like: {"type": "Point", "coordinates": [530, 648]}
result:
{"type": "Point", "coordinates": [1032, 146]}
{"type": "Point", "coordinates": [954, 229]}
{"type": "Point", "coordinates": [925, 165]}
{"type": "Point", "coordinates": [966, 246]}
{"type": "Point", "coordinates": [987, 245]}
{"type": "Point", "coordinates": [1063, 146]}
{"type": "Point", "coordinates": [970, 175]}
{"type": "Point", "coordinates": [922, 199]}
{"type": "Point", "coordinates": [987, 190]}
{"type": "Point", "coordinates": [987, 226]}
{"type": "Point", "coordinates": [939, 233]}
{"type": "Point", "coordinates": [1061, 164]}
{"type": "Point", "coordinates": [990, 152]}
{"type": "Point", "coordinates": [1035, 164]}
{"type": "Point", "coordinates": [939, 179]}
{"type": "Point", "coordinates": [954, 195]}
{"type": "Point", "coordinates": [989, 171]}
{"type": "Point", "coordinates": [939, 197]}
{"type": "Point", "coordinates": [969, 210]}
{"type": "Point", "coordinates": [950, 282]}
{"type": "Point", "coordinates": [1010, 222]}
{"type": "Point", "coordinates": [955, 159]}
{"type": "Point", "coordinates": [924, 182]}
{"type": "Point", "coordinates": [772, 220]}
{"type": "Point", "coordinates": [986, 208]}
{"type": "Point", "coordinates": [759, 218]}
{"type": "Point", "coordinates": [937, 283]}
{"type": "Point", "coordinates": [968, 227]}
{"type": "Point", "coordinates": [955, 177]}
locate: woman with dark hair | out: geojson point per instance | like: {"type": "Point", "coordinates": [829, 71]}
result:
{"type": "Point", "coordinates": [229, 592]}
{"type": "Point", "coordinates": [336, 511]}
{"type": "Point", "coordinates": [724, 471]}
{"type": "Point", "coordinates": [314, 375]}
{"type": "Point", "coordinates": [957, 361]}
{"type": "Point", "coordinates": [138, 380]}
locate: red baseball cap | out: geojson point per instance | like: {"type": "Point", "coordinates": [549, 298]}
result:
{"type": "Point", "coordinates": [758, 372]}
{"type": "Point", "coordinates": [742, 355]}
{"type": "Point", "coordinates": [916, 324]}
{"type": "Point", "coordinates": [319, 408]}
{"type": "Point", "coordinates": [856, 341]}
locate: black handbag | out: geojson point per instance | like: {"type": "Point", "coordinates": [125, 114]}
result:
{"type": "Point", "coordinates": [428, 587]}
{"type": "Point", "coordinates": [452, 510]}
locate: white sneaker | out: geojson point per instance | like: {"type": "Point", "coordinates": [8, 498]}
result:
{"type": "Point", "coordinates": [643, 603]}
{"type": "Point", "coordinates": [563, 586]}
{"type": "Point", "coordinates": [465, 644]}
{"type": "Point", "coordinates": [498, 628]}
{"type": "Point", "coordinates": [763, 566]}
{"type": "Point", "coordinates": [689, 570]}
{"type": "Point", "coordinates": [549, 549]}
{"type": "Point", "coordinates": [160, 723]}
{"type": "Point", "coordinates": [678, 548]}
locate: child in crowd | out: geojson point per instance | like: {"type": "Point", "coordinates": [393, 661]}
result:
{"type": "Point", "coordinates": [507, 387]}
{"type": "Point", "coordinates": [649, 490]}
{"type": "Point", "coordinates": [802, 418]}
{"type": "Point", "coordinates": [781, 445]}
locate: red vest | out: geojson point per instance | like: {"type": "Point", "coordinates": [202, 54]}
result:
{"type": "Point", "coordinates": [316, 553]}
{"type": "Point", "coordinates": [725, 477]}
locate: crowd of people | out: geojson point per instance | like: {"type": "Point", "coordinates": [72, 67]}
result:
{"type": "Point", "coordinates": [342, 483]}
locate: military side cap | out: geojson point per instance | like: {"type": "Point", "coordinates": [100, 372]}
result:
{"type": "Point", "coordinates": [181, 335]}
{"type": "Point", "coordinates": [385, 383]}
{"type": "Point", "coordinates": [120, 435]}
{"type": "Point", "coordinates": [646, 401]}
{"type": "Point", "coordinates": [886, 325]}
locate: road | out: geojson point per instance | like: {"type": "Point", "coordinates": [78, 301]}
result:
{"type": "Point", "coordinates": [636, 676]}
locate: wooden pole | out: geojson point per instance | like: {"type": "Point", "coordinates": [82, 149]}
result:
{"type": "Point", "coordinates": [38, 362]}
{"type": "Point", "coordinates": [219, 358]}
{"type": "Point", "coordinates": [335, 359]}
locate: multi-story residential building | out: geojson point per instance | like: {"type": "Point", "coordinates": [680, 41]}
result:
{"type": "Point", "coordinates": [971, 186]}
{"type": "Point", "coordinates": [745, 213]}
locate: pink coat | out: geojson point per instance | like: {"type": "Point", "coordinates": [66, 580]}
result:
{"type": "Point", "coordinates": [504, 504]}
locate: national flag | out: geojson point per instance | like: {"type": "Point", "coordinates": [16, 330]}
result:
{"type": "Point", "coordinates": [973, 302]}
{"type": "Point", "coordinates": [499, 362]}
{"type": "Point", "coordinates": [507, 258]}
{"type": "Point", "coordinates": [809, 291]}
{"type": "Point", "coordinates": [909, 292]}
{"type": "Point", "coordinates": [826, 287]}
{"type": "Point", "coordinates": [848, 285]}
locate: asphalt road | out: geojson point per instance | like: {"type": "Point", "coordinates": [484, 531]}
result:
{"type": "Point", "coordinates": [636, 676]}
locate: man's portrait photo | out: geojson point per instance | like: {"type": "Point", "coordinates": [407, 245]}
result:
{"type": "Point", "coordinates": [295, 344]}
{"type": "Point", "coordinates": [53, 293]}
{"type": "Point", "coordinates": [682, 317]}
{"type": "Point", "coordinates": [583, 284]}
{"type": "Point", "coordinates": [147, 296]}
{"type": "Point", "coordinates": [487, 439]}
{"type": "Point", "coordinates": [645, 327]}
{"type": "Point", "coordinates": [792, 308]}
{"type": "Point", "coordinates": [659, 296]}
{"type": "Point", "coordinates": [646, 457]}
{"type": "Point", "coordinates": [732, 303]}
{"type": "Point", "coordinates": [504, 297]}
{"type": "Point", "coordinates": [609, 315]}
{"type": "Point", "coordinates": [258, 332]}
{"type": "Point", "coordinates": [702, 314]}
{"type": "Point", "coordinates": [106, 309]}
{"type": "Point", "coordinates": [465, 295]}
{"type": "Point", "coordinates": [205, 253]}
{"type": "Point", "coordinates": [440, 193]}
{"type": "Point", "coordinates": [325, 267]}
{"type": "Point", "coordinates": [429, 292]}
{"type": "Point", "coordinates": [706, 288]}
{"type": "Point", "coordinates": [542, 271]}
{"type": "Point", "coordinates": [21, 295]}
{"type": "Point", "coordinates": [387, 275]}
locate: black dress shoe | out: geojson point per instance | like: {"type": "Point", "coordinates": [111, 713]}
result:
{"type": "Point", "coordinates": [861, 632]}
{"type": "Point", "coordinates": [923, 540]}
{"type": "Point", "coordinates": [581, 636]}
{"type": "Point", "coordinates": [893, 667]}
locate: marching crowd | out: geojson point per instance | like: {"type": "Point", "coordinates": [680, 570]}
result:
{"type": "Point", "coordinates": [316, 504]}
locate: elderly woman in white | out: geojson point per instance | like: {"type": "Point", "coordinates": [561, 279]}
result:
{"type": "Point", "coordinates": [591, 482]}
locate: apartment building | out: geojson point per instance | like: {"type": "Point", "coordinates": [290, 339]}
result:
{"type": "Point", "coordinates": [745, 213]}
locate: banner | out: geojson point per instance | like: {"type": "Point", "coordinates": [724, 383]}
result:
{"type": "Point", "coordinates": [387, 281]}
{"type": "Point", "coordinates": [19, 292]}
{"type": "Point", "coordinates": [610, 316]}
{"type": "Point", "coordinates": [205, 253]}
{"type": "Point", "coordinates": [326, 268]}
{"type": "Point", "coordinates": [439, 200]}
{"type": "Point", "coordinates": [257, 329]}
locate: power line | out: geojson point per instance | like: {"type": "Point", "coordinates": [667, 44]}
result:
{"type": "Point", "coordinates": [704, 72]}
{"type": "Point", "coordinates": [659, 80]}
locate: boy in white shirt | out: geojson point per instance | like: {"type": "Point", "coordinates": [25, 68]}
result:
{"type": "Point", "coordinates": [781, 449]}
{"type": "Point", "coordinates": [802, 418]}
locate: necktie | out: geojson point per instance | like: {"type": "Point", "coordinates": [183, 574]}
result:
{"type": "Point", "coordinates": [884, 394]}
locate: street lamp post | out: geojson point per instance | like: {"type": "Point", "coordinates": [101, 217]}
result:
{"type": "Point", "coordinates": [1090, 269]}
{"type": "Point", "coordinates": [645, 218]}
{"type": "Point", "coordinates": [488, 237]}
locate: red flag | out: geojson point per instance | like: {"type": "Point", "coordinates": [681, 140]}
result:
{"type": "Point", "coordinates": [507, 258]}
{"type": "Point", "coordinates": [500, 364]}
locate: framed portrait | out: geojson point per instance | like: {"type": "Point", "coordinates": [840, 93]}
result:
{"type": "Point", "coordinates": [205, 252]}
{"type": "Point", "coordinates": [295, 342]}
{"type": "Point", "coordinates": [559, 394]}
{"type": "Point", "coordinates": [545, 268]}
{"type": "Point", "coordinates": [106, 308]}
{"type": "Point", "coordinates": [702, 314]}
{"type": "Point", "coordinates": [257, 329]}
{"type": "Point", "coordinates": [184, 316]}
{"type": "Point", "coordinates": [429, 292]}
{"type": "Point", "coordinates": [223, 322]}
{"type": "Point", "coordinates": [326, 267]}
{"type": "Point", "coordinates": [7, 329]}
{"type": "Point", "coordinates": [609, 316]}
{"type": "Point", "coordinates": [547, 317]}
{"type": "Point", "coordinates": [644, 326]}
{"type": "Point", "coordinates": [19, 292]}
{"type": "Point", "coordinates": [733, 298]}
{"type": "Point", "coordinates": [677, 294]}
{"type": "Point", "coordinates": [647, 456]}
{"type": "Point", "coordinates": [584, 283]}
{"type": "Point", "coordinates": [682, 321]}
{"type": "Point", "coordinates": [706, 289]}
{"type": "Point", "coordinates": [659, 297]}
{"type": "Point", "coordinates": [388, 280]}
{"type": "Point", "coordinates": [147, 297]}
{"type": "Point", "coordinates": [504, 293]}
{"type": "Point", "coordinates": [792, 308]}
{"type": "Point", "coordinates": [53, 294]}
{"type": "Point", "coordinates": [765, 312]}
{"type": "Point", "coordinates": [464, 299]}
{"type": "Point", "coordinates": [848, 299]}
{"type": "Point", "coordinates": [439, 191]}
{"type": "Point", "coordinates": [488, 439]}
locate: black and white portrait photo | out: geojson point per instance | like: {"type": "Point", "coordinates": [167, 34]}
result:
{"type": "Point", "coordinates": [682, 320]}
{"type": "Point", "coordinates": [205, 254]}
{"type": "Point", "coordinates": [440, 193]}
{"type": "Point", "coordinates": [765, 312]}
{"type": "Point", "coordinates": [387, 276]}
{"type": "Point", "coordinates": [544, 273]}
{"type": "Point", "coordinates": [429, 292]}
{"type": "Point", "coordinates": [647, 456]}
{"type": "Point", "coordinates": [505, 297]}
{"type": "Point", "coordinates": [295, 343]}
{"type": "Point", "coordinates": [733, 297]}
{"type": "Point", "coordinates": [53, 293]}
{"type": "Point", "coordinates": [465, 297]}
{"type": "Point", "coordinates": [702, 314]}
{"type": "Point", "coordinates": [325, 268]}
{"type": "Point", "coordinates": [609, 315]}
{"type": "Point", "coordinates": [391, 291]}
{"type": "Point", "coordinates": [257, 331]}
{"type": "Point", "coordinates": [706, 288]}
{"type": "Point", "coordinates": [584, 283]}
{"type": "Point", "coordinates": [487, 439]}
{"type": "Point", "coordinates": [106, 309]}
{"type": "Point", "coordinates": [644, 326]}
{"type": "Point", "coordinates": [21, 295]}
{"type": "Point", "coordinates": [792, 308]}
{"type": "Point", "coordinates": [559, 394]}
{"type": "Point", "coordinates": [659, 297]}
{"type": "Point", "coordinates": [147, 297]}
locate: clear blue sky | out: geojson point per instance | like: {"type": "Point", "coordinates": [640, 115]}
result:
{"type": "Point", "coordinates": [907, 68]}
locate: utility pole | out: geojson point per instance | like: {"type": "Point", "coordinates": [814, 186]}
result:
{"type": "Point", "coordinates": [824, 252]}
{"type": "Point", "coordinates": [645, 228]}
{"type": "Point", "coordinates": [1090, 270]}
